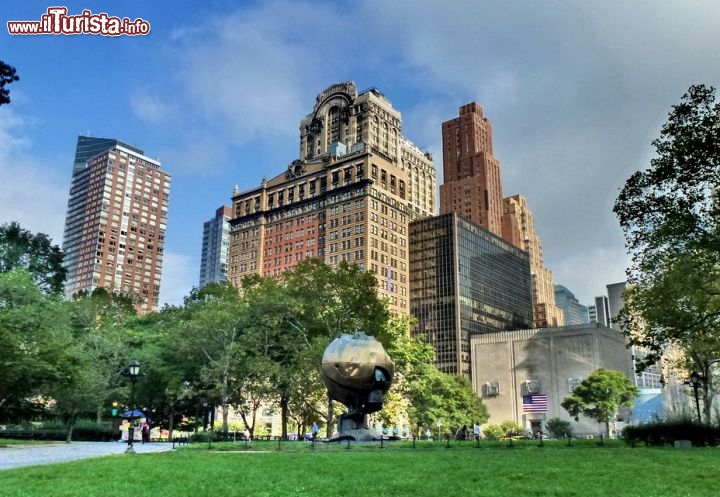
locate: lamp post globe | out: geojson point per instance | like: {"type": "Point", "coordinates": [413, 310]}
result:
{"type": "Point", "coordinates": [133, 371]}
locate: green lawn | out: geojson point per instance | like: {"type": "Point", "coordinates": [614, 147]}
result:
{"type": "Point", "coordinates": [366, 470]}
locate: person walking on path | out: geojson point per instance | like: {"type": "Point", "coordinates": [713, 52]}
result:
{"type": "Point", "coordinates": [315, 431]}
{"type": "Point", "coordinates": [145, 430]}
{"type": "Point", "coordinates": [124, 430]}
{"type": "Point", "coordinates": [476, 431]}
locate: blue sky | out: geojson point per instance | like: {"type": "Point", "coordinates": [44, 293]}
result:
{"type": "Point", "coordinates": [576, 91]}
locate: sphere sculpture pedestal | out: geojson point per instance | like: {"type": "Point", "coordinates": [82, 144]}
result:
{"type": "Point", "coordinates": [357, 373]}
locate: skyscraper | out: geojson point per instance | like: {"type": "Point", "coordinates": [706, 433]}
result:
{"type": "Point", "coordinates": [471, 174]}
{"type": "Point", "coordinates": [465, 281]}
{"type": "Point", "coordinates": [574, 311]}
{"type": "Point", "coordinates": [349, 196]}
{"type": "Point", "coordinates": [600, 312]}
{"type": "Point", "coordinates": [545, 312]}
{"type": "Point", "coordinates": [215, 247]}
{"type": "Point", "coordinates": [472, 189]}
{"type": "Point", "coordinates": [116, 221]}
{"type": "Point", "coordinates": [615, 302]}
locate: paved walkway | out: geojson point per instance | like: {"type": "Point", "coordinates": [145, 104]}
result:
{"type": "Point", "coordinates": [30, 455]}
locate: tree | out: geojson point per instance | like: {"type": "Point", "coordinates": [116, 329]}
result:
{"type": "Point", "coordinates": [670, 214]}
{"type": "Point", "coordinates": [8, 74]}
{"type": "Point", "coordinates": [77, 387]}
{"type": "Point", "coordinates": [100, 322]}
{"type": "Point", "coordinates": [330, 301]}
{"type": "Point", "coordinates": [672, 205]}
{"type": "Point", "coordinates": [600, 395]}
{"type": "Point", "coordinates": [447, 397]}
{"type": "Point", "coordinates": [35, 334]}
{"type": "Point", "coordinates": [210, 334]}
{"type": "Point", "coordinates": [412, 356]}
{"type": "Point", "coordinates": [336, 300]}
{"type": "Point", "coordinates": [20, 248]}
{"type": "Point", "coordinates": [280, 339]}
{"type": "Point", "coordinates": [165, 390]}
{"type": "Point", "coordinates": [680, 304]}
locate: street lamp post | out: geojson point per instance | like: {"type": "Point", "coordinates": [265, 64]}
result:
{"type": "Point", "coordinates": [695, 382]}
{"type": "Point", "coordinates": [133, 372]}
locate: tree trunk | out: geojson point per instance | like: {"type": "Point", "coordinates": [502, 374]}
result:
{"type": "Point", "coordinates": [171, 424]}
{"type": "Point", "coordinates": [225, 418]}
{"type": "Point", "coordinates": [70, 424]}
{"type": "Point", "coordinates": [707, 403]}
{"type": "Point", "coordinates": [284, 415]}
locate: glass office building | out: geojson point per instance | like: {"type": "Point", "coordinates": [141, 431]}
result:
{"type": "Point", "coordinates": [465, 281]}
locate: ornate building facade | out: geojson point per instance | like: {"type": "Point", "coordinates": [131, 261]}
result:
{"type": "Point", "coordinates": [350, 196]}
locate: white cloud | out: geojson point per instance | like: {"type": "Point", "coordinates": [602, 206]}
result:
{"type": "Point", "coordinates": [180, 274]}
{"type": "Point", "coordinates": [250, 72]}
{"type": "Point", "coordinates": [586, 273]}
{"type": "Point", "coordinates": [152, 108]}
{"type": "Point", "coordinates": [31, 193]}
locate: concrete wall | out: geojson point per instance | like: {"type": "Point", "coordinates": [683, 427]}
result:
{"type": "Point", "coordinates": [552, 360]}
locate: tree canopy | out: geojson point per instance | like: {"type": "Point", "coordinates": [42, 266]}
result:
{"type": "Point", "coordinates": [600, 395]}
{"type": "Point", "coordinates": [244, 350]}
{"type": "Point", "coordinates": [8, 74]}
{"type": "Point", "coordinates": [19, 248]}
{"type": "Point", "coordinates": [447, 397]}
{"type": "Point", "coordinates": [672, 205]}
{"type": "Point", "coordinates": [670, 214]}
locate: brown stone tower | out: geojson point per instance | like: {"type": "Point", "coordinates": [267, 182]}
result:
{"type": "Point", "coordinates": [471, 185]}
{"type": "Point", "coordinates": [472, 189]}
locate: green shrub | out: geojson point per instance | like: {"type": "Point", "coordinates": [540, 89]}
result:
{"type": "Point", "coordinates": [510, 428]}
{"type": "Point", "coordinates": [666, 433]}
{"type": "Point", "coordinates": [203, 436]}
{"type": "Point", "coordinates": [52, 424]}
{"type": "Point", "coordinates": [89, 431]}
{"type": "Point", "coordinates": [559, 428]}
{"type": "Point", "coordinates": [492, 432]}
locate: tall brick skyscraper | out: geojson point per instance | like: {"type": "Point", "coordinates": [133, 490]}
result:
{"type": "Point", "coordinates": [471, 184]}
{"type": "Point", "coordinates": [472, 188]}
{"type": "Point", "coordinates": [546, 314]}
{"type": "Point", "coordinates": [116, 221]}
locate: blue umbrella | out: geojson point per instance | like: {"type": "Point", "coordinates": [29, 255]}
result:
{"type": "Point", "coordinates": [133, 414]}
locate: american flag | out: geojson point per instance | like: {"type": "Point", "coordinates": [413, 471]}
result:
{"type": "Point", "coordinates": [535, 403]}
